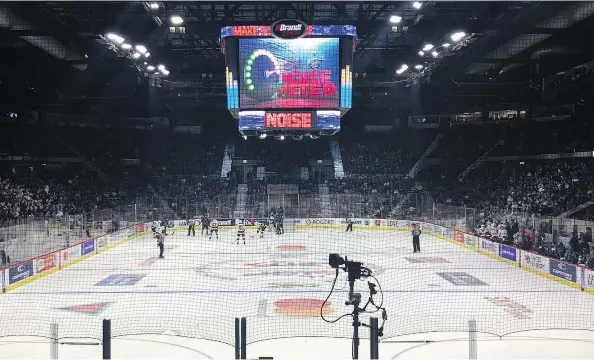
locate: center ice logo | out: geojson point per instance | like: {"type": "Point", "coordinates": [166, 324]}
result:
{"type": "Point", "coordinates": [272, 272]}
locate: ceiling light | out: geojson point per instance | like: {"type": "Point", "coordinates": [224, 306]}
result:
{"type": "Point", "coordinates": [141, 49]}
{"type": "Point", "coordinates": [154, 6]}
{"type": "Point", "coordinates": [402, 69]}
{"type": "Point", "coordinates": [427, 47]}
{"type": "Point", "coordinates": [115, 38]}
{"type": "Point", "coordinates": [446, 45]}
{"type": "Point", "coordinates": [395, 19]}
{"type": "Point", "coordinates": [434, 53]}
{"type": "Point", "coordinates": [177, 20]}
{"type": "Point", "coordinates": [418, 67]}
{"type": "Point", "coordinates": [150, 68]}
{"type": "Point", "coordinates": [147, 54]}
{"type": "Point", "coordinates": [417, 5]}
{"type": "Point", "coordinates": [421, 53]}
{"type": "Point", "coordinates": [457, 36]}
{"type": "Point", "coordinates": [161, 67]}
{"type": "Point", "coordinates": [165, 72]}
{"type": "Point", "coordinates": [126, 46]}
{"type": "Point", "coordinates": [282, 137]}
{"type": "Point", "coordinates": [136, 55]}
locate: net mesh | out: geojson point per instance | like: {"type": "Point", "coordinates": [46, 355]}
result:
{"type": "Point", "coordinates": [279, 282]}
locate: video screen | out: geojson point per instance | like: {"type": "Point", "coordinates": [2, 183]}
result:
{"type": "Point", "coordinates": [300, 73]}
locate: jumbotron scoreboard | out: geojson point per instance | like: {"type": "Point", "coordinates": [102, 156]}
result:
{"type": "Point", "coordinates": [288, 78]}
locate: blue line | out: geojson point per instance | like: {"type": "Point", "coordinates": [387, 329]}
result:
{"type": "Point", "coordinates": [276, 292]}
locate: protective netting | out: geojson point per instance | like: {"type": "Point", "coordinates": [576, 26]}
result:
{"type": "Point", "coordinates": [279, 282]}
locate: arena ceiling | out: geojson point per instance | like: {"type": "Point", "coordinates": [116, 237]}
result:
{"type": "Point", "coordinates": [60, 52]}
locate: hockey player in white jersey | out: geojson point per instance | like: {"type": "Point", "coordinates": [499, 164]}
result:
{"type": "Point", "coordinates": [241, 233]}
{"type": "Point", "coordinates": [214, 228]}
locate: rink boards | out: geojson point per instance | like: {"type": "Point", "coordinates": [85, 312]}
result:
{"type": "Point", "coordinates": [575, 276]}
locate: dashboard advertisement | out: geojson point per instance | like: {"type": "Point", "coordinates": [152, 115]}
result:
{"type": "Point", "coordinates": [289, 120]}
{"type": "Point", "coordinates": [302, 73]}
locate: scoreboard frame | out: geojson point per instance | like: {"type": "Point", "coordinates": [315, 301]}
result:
{"type": "Point", "coordinates": [288, 121]}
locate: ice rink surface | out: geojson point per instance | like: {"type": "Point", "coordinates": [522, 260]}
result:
{"type": "Point", "coordinates": [279, 282]}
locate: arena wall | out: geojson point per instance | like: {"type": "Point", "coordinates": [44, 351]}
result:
{"type": "Point", "coordinates": [575, 276]}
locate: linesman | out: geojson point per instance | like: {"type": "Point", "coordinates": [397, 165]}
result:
{"type": "Point", "coordinates": [416, 233]}
{"type": "Point", "coordinates": [160, 243]}
{"type": "Point", "coordinates": [191, 224]}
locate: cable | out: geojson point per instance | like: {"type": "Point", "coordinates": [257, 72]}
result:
{"type": "Point", "coordinates": [325, 301]}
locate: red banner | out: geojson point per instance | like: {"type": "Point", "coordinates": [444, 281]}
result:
{"type": "Point", "coordinates": [45, 263]}
{"type": "Point", "coordinates": [459, 236]}
{"type": "Point", "coordinates": [139, 228]}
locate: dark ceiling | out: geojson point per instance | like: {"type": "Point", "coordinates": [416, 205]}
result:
{"type": "Point", "coordinates": [56, 53]}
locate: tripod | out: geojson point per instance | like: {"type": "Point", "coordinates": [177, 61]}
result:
{"type": "Point", "coordinates": [354, 273]}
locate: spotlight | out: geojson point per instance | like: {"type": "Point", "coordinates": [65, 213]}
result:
{"type": "Point", "coordinates": [395, 19]}
{"type": "Point", "coordinates": [417, 5]}
{"type": "Point", "coordinates": [115, 38]}
{"type": "Point", "coordinates": [147, 54]}
{"type": "Point", "coordinates": [282, 137]}
{"type": "Point", "coordinates": [402, 69]}
{"type": "Point", "coordinates": [161, 67]}
{"type": "Point", "coordinates": [434, 53]}
{"type": "Point", "coordinates": [165, 72]}
{"type": "Point", "coordinates": [427, 47]}
{"type": "Point", "coordinates": [136, 55]}
{"type": "Point", "coordinates": [446, 45]}
{"type": "Point", "coordinates": [457, 36]}
{"type": "Point", "coordinates": [177, 20]}
{"type": "Point", "coordinates": [154, 6]}
{"type": "Point", "coordinates": [141, 49]}
{"type": "Point", "coordinates": [418, 67]}
{"type": "Point", "coordinates": [150, 68]}
{"type": "Point", "coordinates": [244, 137]}
{"type": "Point", "coordinates": [126, 46]}
{"type": "Point", "coordinates": [421, 53]}
{"type": "Point", "coordinates": [262, 136]}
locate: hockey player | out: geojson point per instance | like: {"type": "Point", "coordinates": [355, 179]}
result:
{"type": "Point", "coordinates": [272, 220]}
{"type": "Point", "coordinates": [416, 233]}
{"type": "Point", "coordinates": [279, 224]}
{"type": "Point", "coordinates": [241, 233]}
{"type": "Point", "coordinates": [261, 229]}
{"type": "Point", "coordinates": [214, 228]}
{"type": "Point", "coordinates": [205, 222]}
{"type": "Point", "coordinates": [191, 224]}
{"type": "Point", "coordinates": [154, 227]}
{"type": "Point", "coordinates": [349, 225]}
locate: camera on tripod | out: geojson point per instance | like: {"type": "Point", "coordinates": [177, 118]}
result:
{"type": "Point", "coordinates": [354, 269]}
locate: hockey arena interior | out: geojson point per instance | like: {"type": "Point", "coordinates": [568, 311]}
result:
{"type": "Point", "coordinates": [289, 180]}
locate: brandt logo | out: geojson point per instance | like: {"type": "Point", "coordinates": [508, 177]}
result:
{"type": "Point", "coordinates": [562, 266]}
{"type": "Point", "coordinates": [21, 268]}
{"type": "Point", "coordinates": [289, 29]}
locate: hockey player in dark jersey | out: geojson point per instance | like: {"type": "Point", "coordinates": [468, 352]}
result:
{"type": "Point", "coordinates": [205, 221]}
{"type": "Point", "coordinates": [261, 229]}
{"type": "Point", "coordinates": [279, 224]}
{"type": "Point", "coordinates": [349, 224]}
